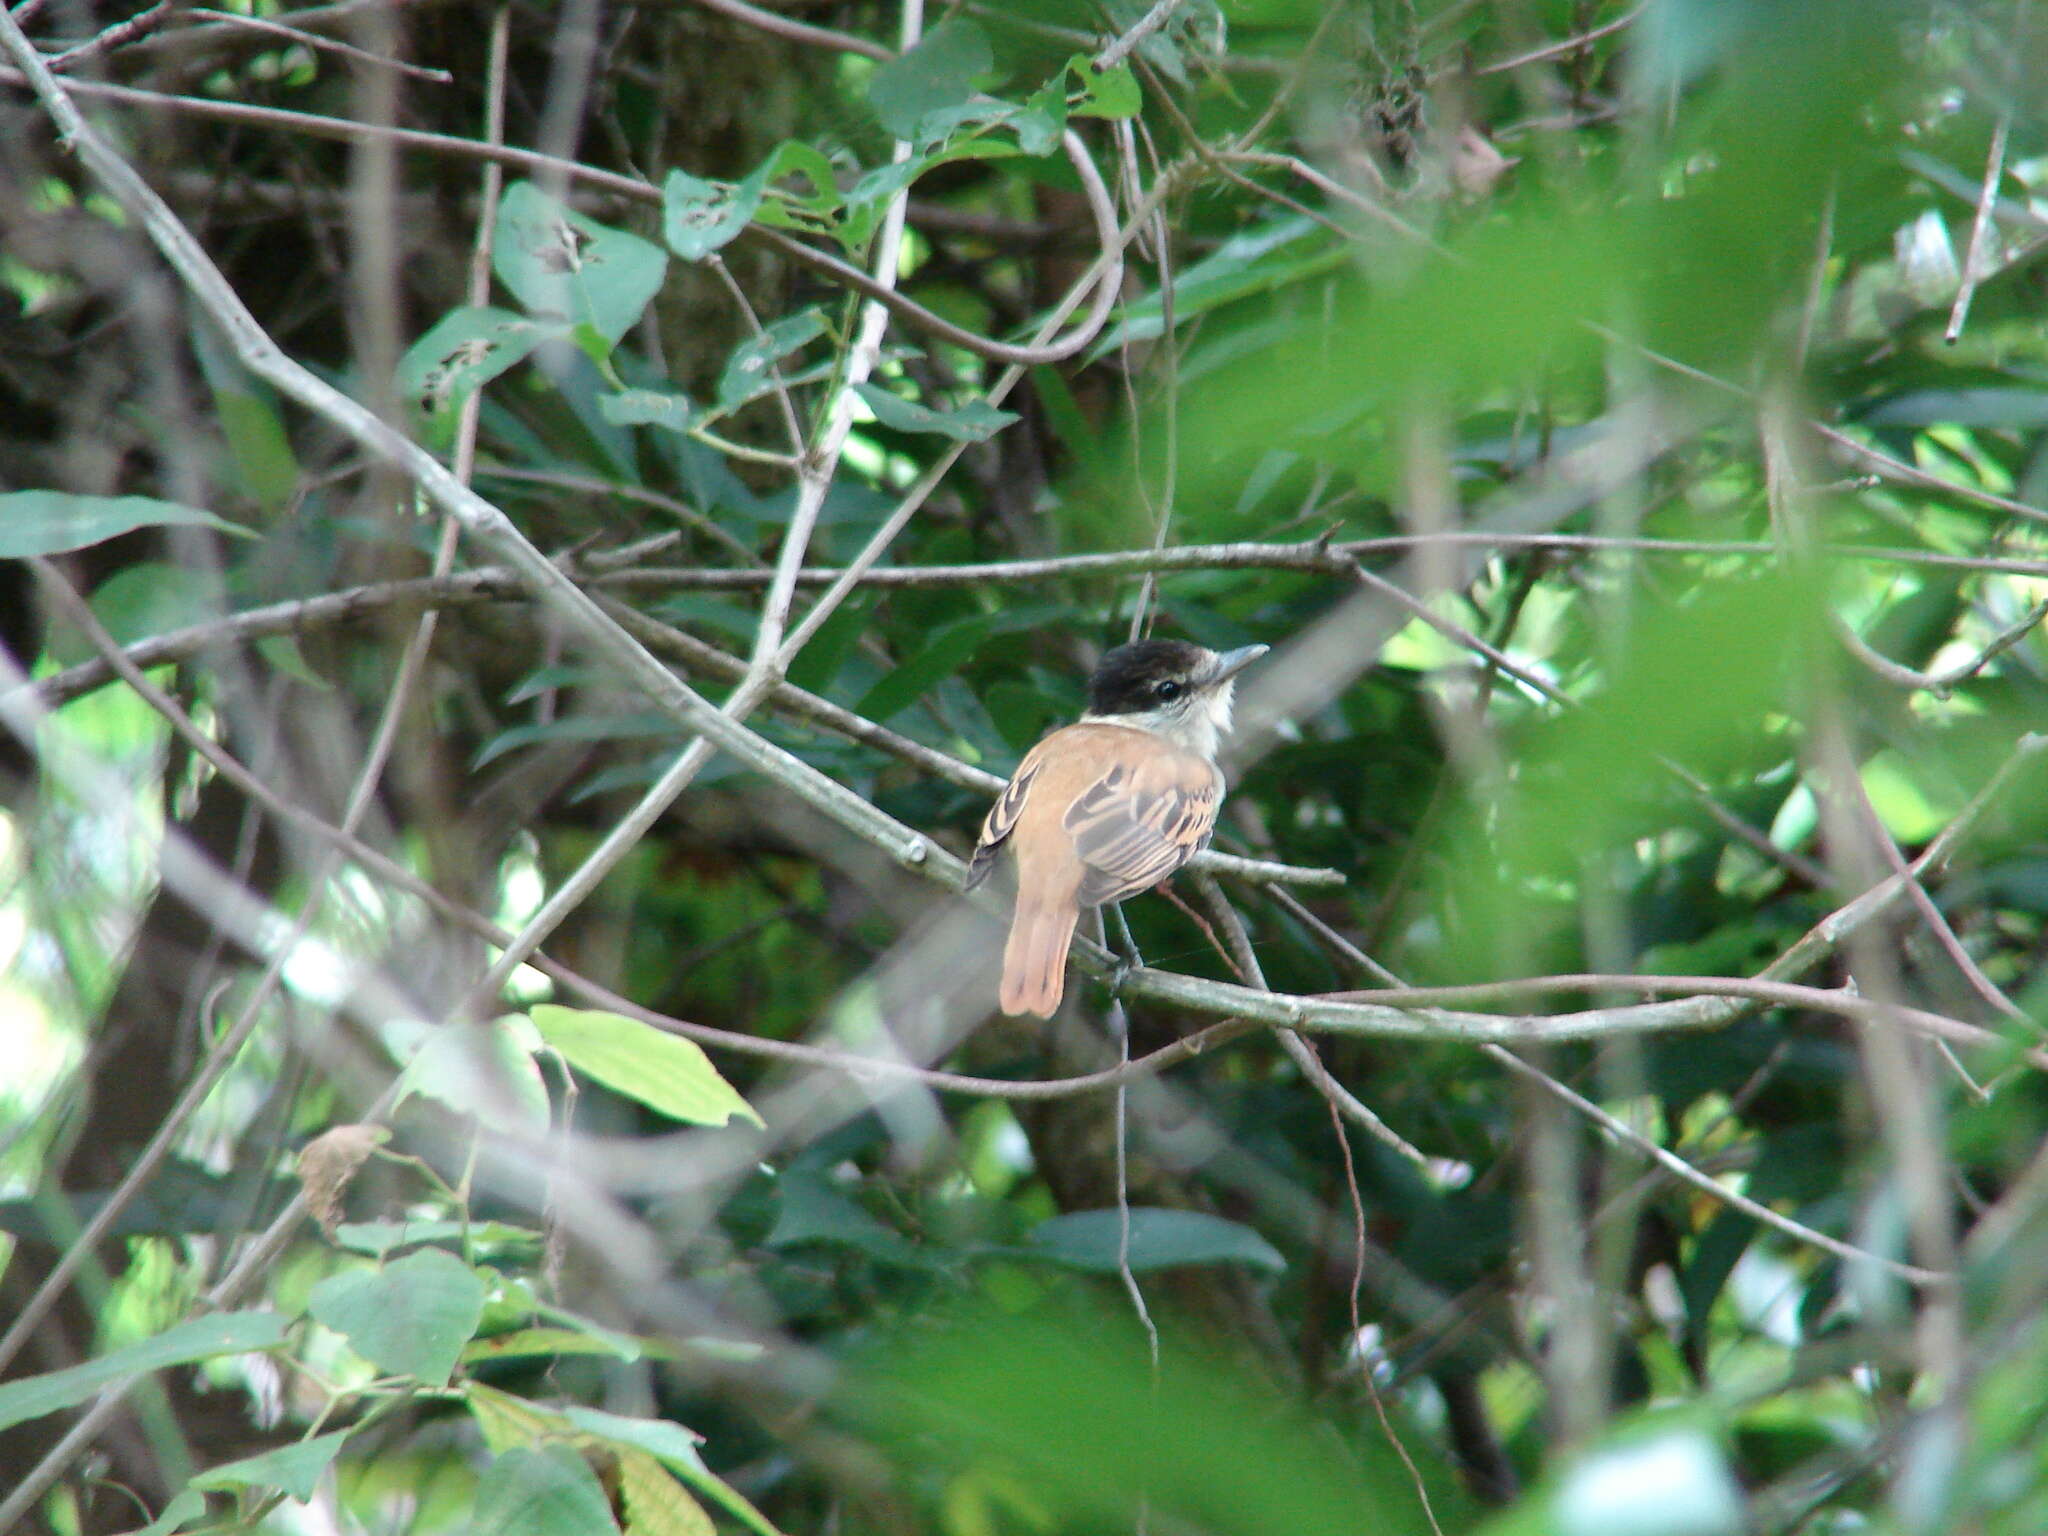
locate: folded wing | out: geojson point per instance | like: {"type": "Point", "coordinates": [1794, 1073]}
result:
{"type": "Point", "coordinates": [1141, 821]}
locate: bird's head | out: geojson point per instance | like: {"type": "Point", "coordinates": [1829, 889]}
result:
{"type": "Point", "coordinates": [1171, 687]}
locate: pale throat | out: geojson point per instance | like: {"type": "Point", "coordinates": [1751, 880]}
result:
{"type": "Point", "coordinates": [1195, 724]}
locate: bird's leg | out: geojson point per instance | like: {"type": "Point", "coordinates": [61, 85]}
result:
{"type": "Point", "coordinates": [1126, 950]}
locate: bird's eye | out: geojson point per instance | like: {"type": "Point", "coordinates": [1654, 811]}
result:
{"type": "Point", "coordinates": [1167, 690]}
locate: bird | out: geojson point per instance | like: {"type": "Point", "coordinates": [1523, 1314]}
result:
{"type": "Point", "coordinates": [1109, 806]}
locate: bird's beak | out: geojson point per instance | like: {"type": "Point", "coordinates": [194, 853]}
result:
{"type": "Point", "coordinates": [1230, 663]}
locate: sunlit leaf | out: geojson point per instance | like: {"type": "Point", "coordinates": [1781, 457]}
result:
{"type": "Point", "coordinates": [663, 1071]}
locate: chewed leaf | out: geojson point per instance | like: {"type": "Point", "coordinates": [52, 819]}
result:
{"type": "Point", "coordinates": [466, 350]}
{"type": "Point", "coordinates": [562, 266]}
{"type": "Point", "coordinates": [697, 217]}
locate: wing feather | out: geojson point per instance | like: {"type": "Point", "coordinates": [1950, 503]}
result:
{"type": "Point", "coordinates": [1132, 829]}
{"type": "Point", "coordinates": [1001, 820]}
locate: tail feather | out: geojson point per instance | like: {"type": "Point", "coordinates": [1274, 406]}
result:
{"type": "Point", "coordinates": [1035, 958]}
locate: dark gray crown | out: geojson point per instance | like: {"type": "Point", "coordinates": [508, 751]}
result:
{"type": "Point", "coordinates": [1146, 674]}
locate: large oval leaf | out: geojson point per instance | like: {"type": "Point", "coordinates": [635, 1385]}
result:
{"type": "Point", "coordinates": [411, 1317]}
{"type": "Point", "coordinates": [662, 1071]}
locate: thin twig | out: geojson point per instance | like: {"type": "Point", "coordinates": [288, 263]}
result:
{"type": "Point", "coordinates": [1355, 1344]}
{"type": "Point", "coordinates": [797, 31]}
{"type": "Point", "coordinates": [815, 466]}
{"type": "Point", "coordinates": [1679, 1168]}
{"type": "Point", "coordinates": [1664, 1158]}
{"type": "Point", "coordinates": [262, 356]}
{"type": "Point", "coordinates": [1987, 196]}
{"type": "Point", "coordinates": [1556, 50]}
{"type": "Point", "coordinates": [1155, 18]}
{"type": "Point", "coordinates": [1103, 279]}
{"type": "Point", "coordinates": [121, 32]}
{"type": "Point", "coordinates": [1941, 684]}
{"type": "Point", "coordinates": [330, 45]}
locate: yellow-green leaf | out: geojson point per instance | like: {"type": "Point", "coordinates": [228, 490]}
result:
{"type": "Point", "coordinates": [662, 1071]}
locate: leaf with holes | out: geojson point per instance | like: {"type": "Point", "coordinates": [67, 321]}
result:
{"type": "Point", "coordinates": [698, 217]}
{"type": "Point", "coordinates": [467, 349]}
{"type": "Point", "coordinates": [563, 266]}
{"type": "Point", "coordinates": [648, 408]}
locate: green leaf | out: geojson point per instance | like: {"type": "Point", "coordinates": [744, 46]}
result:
{"type": "Point", "coordinates": [563, 266]}
{"type": "Point", "coordinates": [482, 1069]}
{"type": "Point", "coordinates": [56, 522]}
{"type": "Point", "coordinates": [1981, 406]}
{"type": "Point", "coordinates": [655, 1503]}
{"type": "Point", "coordinates": [507, 1422]}
{"type": "Point", "coordinates": [947, 649]}
{"type": "Point", "coordinates": [261, 449]}
{"type": "Point", "coordinates": [381, 1238]}
{"type": "Point", "coordinates": [975, 421]}
{"type": "Point", "coordinates": [663, 1071]}
{"type": "Point", "coordinates": [1269, 256]}
{"type": "Point", "coordinates": [811, 211]}
{"type": "Point", "coordinates": [697, 217]}
{"type": "Point", "coordinates": [526, 1342]}
{"type": "Point", "coordinates": [577, 728]}
{"type": "Point", "coordinates": [294, 1468]}
{"type": "Point", "coordinates": [1105, 92]}
{"type": "Point", "coordinates": [1160, 1239]}
{"type": "Point", "coordinates": [749, 372]}
{"type": "Point", "coordinates": [549, 1491]}
{"type": "Point", "coordinates": [939, 72]}
{"type": "Point", "coordinates": [675, 1446]}
{"type": "Point", "coordinates": [660, 1438]}
{"type": "Point", "coordinates": [149, 598]}
{"type": "Point", "coordinates": [201, 1338]}
{"type": "Point", "coordinates": [809, 1210]}
{"type": "Point", "coordinates": [467, 349]}
{"type": "Point", "coordinates": [183, 1509]}
{"type": "Point", "coordinates": [648, 408]}
{"type": "Point", "coordinates": [411, 1317]}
